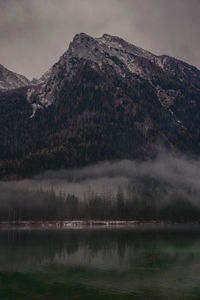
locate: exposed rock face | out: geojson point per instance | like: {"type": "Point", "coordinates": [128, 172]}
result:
{"type": "Point", "coordinates": [10, 80]}
{"type": "Point", "coordinates": [103, 99]}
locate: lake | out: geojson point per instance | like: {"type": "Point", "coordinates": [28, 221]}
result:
{"type": "Point", "coordinates": [154, 262]}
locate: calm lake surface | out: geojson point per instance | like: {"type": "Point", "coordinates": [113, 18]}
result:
{"type": "Point", "coordinates": [138, 262]}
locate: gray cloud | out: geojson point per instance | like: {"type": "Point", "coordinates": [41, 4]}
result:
{"type": "Point", "coordinates": [33, 34]}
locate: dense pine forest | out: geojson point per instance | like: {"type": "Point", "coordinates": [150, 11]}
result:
{"type": "Point", "coordinates": [142, 203]}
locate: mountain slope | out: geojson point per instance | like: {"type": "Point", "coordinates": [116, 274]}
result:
{"type": "Point", "coordinates": [103, 99]}
{"type": "Point", "coordinates": [10, 80]}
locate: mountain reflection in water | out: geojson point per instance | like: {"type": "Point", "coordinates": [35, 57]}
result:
{"type": "Point", "coordinates": [159, 257]}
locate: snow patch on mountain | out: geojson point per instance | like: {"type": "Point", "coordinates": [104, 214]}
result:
{"type": "Point", "coordinates": [106, 50]}
{"type": "Point", "coordinates": [123, 57]}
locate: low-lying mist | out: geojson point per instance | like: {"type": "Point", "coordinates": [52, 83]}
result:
{"type": "Point", "coordinates": [167, 170]}
{"type": "Point", "coordinates": [151, 185]}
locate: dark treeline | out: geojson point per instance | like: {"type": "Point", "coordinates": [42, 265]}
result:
{"type": "Point", "coordinates": [142, 203]}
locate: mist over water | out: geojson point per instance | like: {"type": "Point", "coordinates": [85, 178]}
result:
{"type": "Point", "coordinates": [169, 171]}
{"type": "Point", "coordinates": [149, 261]}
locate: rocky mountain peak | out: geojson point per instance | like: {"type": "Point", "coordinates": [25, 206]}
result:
{"type": "Point", "coordinates": [109, 50]}
{"type": "Point", "coordinates": [164, 73]}
{"type": "Point", "coordinates": [104, 99]}
{"type": "Point", "coordinates": [102, 48]}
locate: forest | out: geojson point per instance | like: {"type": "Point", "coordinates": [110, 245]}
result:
{"type": "Point", "coordinates": [138, 202]}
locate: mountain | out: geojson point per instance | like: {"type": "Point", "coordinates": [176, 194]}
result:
{"type": "Point", "coordinates": [104, 99]}
{"type": "Point", "coordinates": [10, 80]}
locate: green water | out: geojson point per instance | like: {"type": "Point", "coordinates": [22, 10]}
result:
{"type": "Point", "coordinates": [141, 262]}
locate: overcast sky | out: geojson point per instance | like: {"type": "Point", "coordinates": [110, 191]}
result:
{"type": "Point", "coordinates": [34, 33]}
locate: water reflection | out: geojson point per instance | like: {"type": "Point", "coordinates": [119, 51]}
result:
{"type": "Point", "coordinates": [164, 258]}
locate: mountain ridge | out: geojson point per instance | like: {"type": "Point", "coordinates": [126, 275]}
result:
{"type": "Point", "coordinates": [11, 80]}
{"type": "Point", "coordinates": [104, 99]}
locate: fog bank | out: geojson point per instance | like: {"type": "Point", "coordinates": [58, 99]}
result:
{"type": "Point", "coordinates": [169, 171]}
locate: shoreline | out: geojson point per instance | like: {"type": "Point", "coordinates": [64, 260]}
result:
{"type": "Point", "coordinates": [85, 224]}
